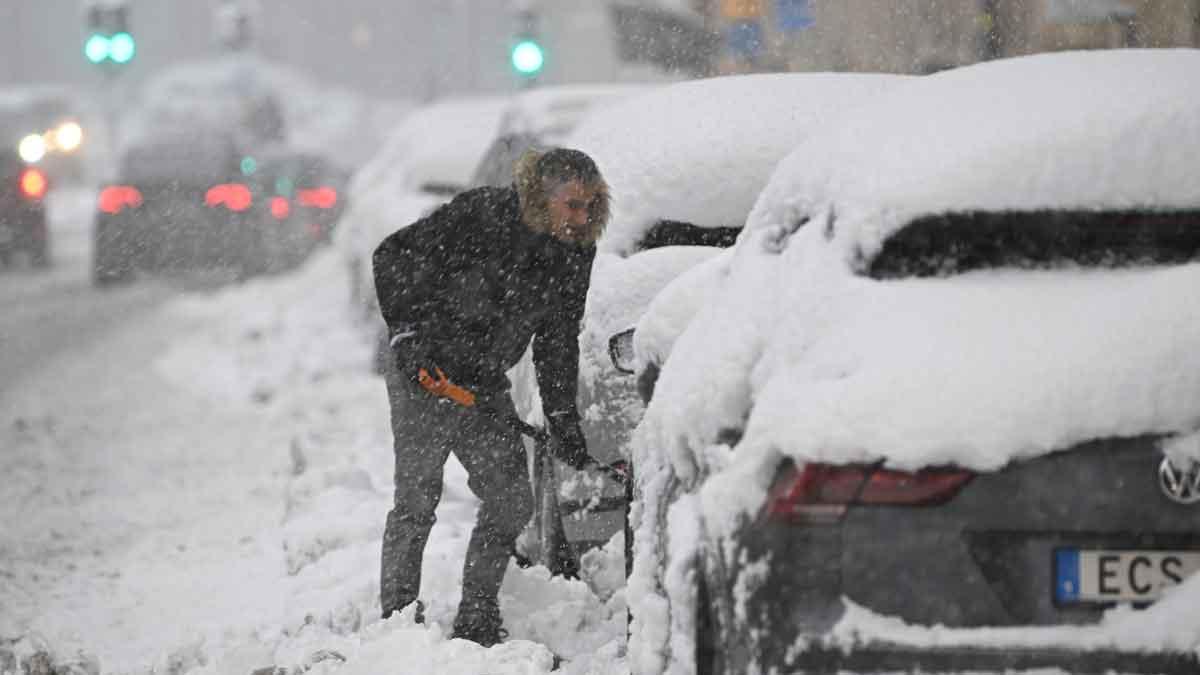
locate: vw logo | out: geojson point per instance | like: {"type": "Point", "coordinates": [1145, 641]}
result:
{"type": "Point", "coordinates": [1180, 485]}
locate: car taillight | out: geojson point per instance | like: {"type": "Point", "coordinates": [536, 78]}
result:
{"type": "Point", "coordinates": [821, 493]}
{"type": "Point", "coordinates": [320, 198]}
{"type": "Point", "coordinates": [280, 208]}
{"type": "Point", "coordinates": [33, 183]}
{"type": "Point", "coordinates": [233, 196]}
{"type": "Point", "coordinates": [116, 197]}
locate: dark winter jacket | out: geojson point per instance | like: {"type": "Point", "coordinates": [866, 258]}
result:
{"type": "Point", "coordinates": [474, 284]}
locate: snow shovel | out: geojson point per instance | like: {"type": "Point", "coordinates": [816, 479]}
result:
{"type": "Point", "coordinates": [553, 550]}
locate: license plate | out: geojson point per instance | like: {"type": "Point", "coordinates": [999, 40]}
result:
{"type": "Point", "coordinates": [1082, 576]}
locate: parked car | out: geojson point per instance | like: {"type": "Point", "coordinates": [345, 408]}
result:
{"type": "Point", "coordinates": [22, 211]}
{"type": "Point", "coordinates": [425, 161]}
{"type": "Point", "coordinates": [941, 412]}
{"type": "Point", "coordinates": [684, 163]}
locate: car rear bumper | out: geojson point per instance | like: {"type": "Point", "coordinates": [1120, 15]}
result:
{"type": "Point", "coordinates": [896, 658]}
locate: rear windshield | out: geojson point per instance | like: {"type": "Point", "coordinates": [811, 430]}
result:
{"type": "Point", "coordinates": [677, 233]}
{"type": "Point", "coordinates": [959, 242]}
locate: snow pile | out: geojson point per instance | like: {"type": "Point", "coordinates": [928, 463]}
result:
{"type": "Point", "coordinates": [700, 151]}
{"type": "Point", "coordinates": [1087, 130]}
{"type": "Point", "coordinates": [287, 347]}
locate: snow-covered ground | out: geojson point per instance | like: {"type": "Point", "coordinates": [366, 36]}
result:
{"type": "Point", "coordinates": [205, 492]}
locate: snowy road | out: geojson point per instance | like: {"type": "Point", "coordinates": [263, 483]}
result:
{"type": "Point", "coordinates": [195, 481]}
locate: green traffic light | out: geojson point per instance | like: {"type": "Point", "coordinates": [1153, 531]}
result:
{"type": "Point", "coordinates": [96, 48]}
{"type": "Point", "coordinates": [121, 48]}
{"type": "Point", "coordinates": [527, 57]}
{"type": "Point", "coordinates": [248, 166]}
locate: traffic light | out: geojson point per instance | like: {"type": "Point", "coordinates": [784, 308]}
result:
{"type": "Point", "coordinates": [526, 54]}
{"type": "Point", "coordinates": [108, 39]}
{"type": "Point", "coordinates": [528, 57]}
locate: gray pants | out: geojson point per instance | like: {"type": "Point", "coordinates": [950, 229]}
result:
{"type": "Point", "coordinates": [425, 431]}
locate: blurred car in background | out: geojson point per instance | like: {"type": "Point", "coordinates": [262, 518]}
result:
{"type": "Point", "coordinates": [684, 163]}
{"type": "Point", "coordinates": [46, 126]}
{"type": "Point", "coordinates": [298, 197]}
{"type": "Point", "coordinates": [425, 161]}
{"type": "Point", "coordinates": [939, 418]}
{"type": "Point", "coordinates": [180, 201]}
{"type": "Point", "coordinates": [22, 210]}
{"type": "Point", "coordinates": [182, 195]}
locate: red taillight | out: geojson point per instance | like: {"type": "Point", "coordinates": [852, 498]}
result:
{"type": "Point", "coordinates": [117, 197]}
{"type": "Point", "coordinates": [280, 208]}
{"type": "Point", "coordinates": [822, 492]}
{"type": "Point", "coordinates": [33, 183]}
{"type": "Point", "coordinates": [320, 198]}
{"type": "Point", "coordinates": [233, 196]}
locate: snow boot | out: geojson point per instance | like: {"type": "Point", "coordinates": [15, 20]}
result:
{"type": "Point", "coordinates": [479, 621]}
{"type": "Point", "coordinates": [418, 612]}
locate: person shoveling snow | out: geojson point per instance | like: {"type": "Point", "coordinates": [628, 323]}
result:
{"type": "Point", "coordinates": [463, 291]}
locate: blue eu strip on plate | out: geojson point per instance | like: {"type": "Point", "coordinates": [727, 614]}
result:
{"type": "Point", "coordinates": [1066, 575]}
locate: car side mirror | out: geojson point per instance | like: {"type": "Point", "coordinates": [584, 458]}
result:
{"type": "Point", "coordinates": [620, 351]}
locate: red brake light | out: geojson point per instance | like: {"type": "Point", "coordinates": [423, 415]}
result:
{"type": "Point", "coordinates": [321, 198]}
{"type": "Point", "coordinates": [234, 196]}
{"type": "Point", "coordinates": [117, 197]}
{"type": "Point", "coordinates": [280, 208]}
{"type": "Point", "coordinates": [821, 493]}
{"type": "Point", "coordinates": [33, 184]}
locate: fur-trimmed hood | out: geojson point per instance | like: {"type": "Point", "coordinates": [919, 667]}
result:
{"type": "Point", "coordinates": [532, 194]}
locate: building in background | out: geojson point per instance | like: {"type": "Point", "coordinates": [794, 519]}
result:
{"type": "Point", "coordinates": [920, 36]}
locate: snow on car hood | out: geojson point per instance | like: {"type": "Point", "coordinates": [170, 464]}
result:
{"type": "Point", "coordinates": [1085, 130]}
{"type": "Point", "coordinates": [700, 151]}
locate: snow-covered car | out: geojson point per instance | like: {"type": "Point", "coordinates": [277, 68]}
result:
{"type": "Point", "coordinates": [684, 163]}
{"type": "Point", "coordinates": [425, 161]}
{"type": "Point", "coordinates": [943, 409]}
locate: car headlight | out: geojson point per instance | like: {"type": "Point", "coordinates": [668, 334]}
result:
{"type": "Point", "coordinates": [68, 136]}
{"type": "Point", "coordinates": [32, 148]}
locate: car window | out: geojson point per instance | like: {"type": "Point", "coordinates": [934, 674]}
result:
{"type": "Point", "coordinates": [201, 160]}
{"type": "Point", "coordinates": [441, 189]}
{"type": "Point", "coordinates": [953, 243]}
{"type": "Point", "coordinates": [678, 233]}
{"type": "Point", "coordinates": [496, 167]}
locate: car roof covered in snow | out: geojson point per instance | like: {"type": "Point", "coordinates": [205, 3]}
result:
{"type": "Point", "coordinates": [437, 144]}
{"type": "Point", "coordinates": [1100, 130]}
{"type": "Point", "coordinates": [551, 113]}
{"type": "Point", "coordinates": [700, 151]}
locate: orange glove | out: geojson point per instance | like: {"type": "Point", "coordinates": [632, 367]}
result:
{"type": "Point", "coordinates": [442, 387]}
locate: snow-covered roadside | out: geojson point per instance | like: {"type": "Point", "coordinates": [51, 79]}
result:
{"type": "Point", "coordinates": [260, 397]}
